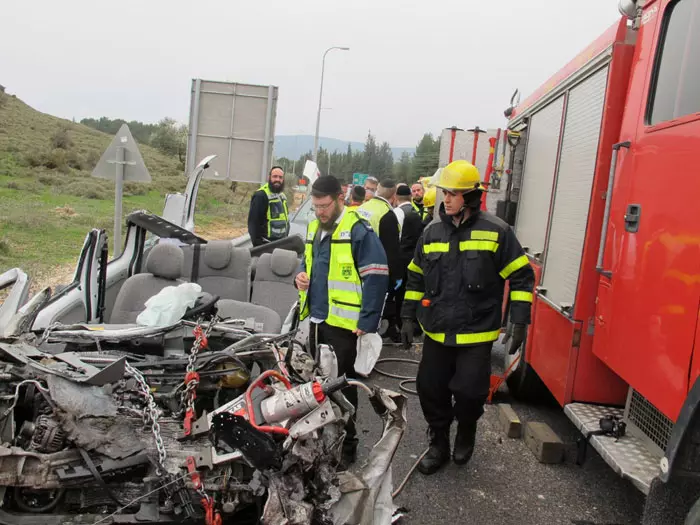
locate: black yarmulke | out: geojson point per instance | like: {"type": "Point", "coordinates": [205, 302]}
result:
{"type": "Point", "coordinates": [327, 185]}
{"type": "Point", "coordinates": [403, 190]}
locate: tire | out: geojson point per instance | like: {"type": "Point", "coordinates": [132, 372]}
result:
{"type": "Point", "coordinates": [672, 503]}
{"type": "Point", "coordinates": [693, 517]}
{"type": "Point", "coordinates": [524, 384]}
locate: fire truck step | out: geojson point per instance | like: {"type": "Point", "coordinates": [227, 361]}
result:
{"type": "Point", "coordinates": [628, 456]}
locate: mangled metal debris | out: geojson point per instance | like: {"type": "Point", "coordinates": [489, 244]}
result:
{"type": "Point", "coordinates": [235, 427]}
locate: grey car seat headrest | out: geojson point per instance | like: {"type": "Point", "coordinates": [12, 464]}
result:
{"type": "Point", "coordinates": [165, 260]}
{"type": "Point", "coordinates": [284, 262]}
{"type": "Point", "coordinates": [218, 254]}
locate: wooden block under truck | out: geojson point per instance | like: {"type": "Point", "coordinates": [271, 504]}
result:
{"type": "Point", "coordinates": [607, 186]}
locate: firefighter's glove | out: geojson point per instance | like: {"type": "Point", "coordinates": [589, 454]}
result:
{"type": "Point", "coordinates": [517, 338]}
{"type": "Point", "coordinates": [407, 329]}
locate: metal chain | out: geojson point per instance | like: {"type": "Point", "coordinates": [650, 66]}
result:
{"type": "Point", "coordinates": [150, 417]}
{"type": "Point", "coordinates": [192, 382]}
{"type": "Point", "coordinates": [47, 332]}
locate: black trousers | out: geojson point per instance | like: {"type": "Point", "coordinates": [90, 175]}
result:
{"type": "Point", "coordinates": [344, 344]}
{"type": "Point", "coordinates": [460, 372]}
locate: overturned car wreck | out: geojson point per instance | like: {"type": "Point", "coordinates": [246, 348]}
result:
{"type": "Point", "coordinates": [212, 419]}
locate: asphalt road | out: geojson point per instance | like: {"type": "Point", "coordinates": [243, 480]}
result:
{"type": "Point", "coordinates": [503, 483]}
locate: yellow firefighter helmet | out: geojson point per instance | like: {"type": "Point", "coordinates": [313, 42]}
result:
{"type": "Point", "coordinates": [460, 176]}
{"type": "Point", "coordinates": [429, 197]}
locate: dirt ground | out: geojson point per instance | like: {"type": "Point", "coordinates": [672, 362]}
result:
{"type": "Point", "coordinates": [219, 231]}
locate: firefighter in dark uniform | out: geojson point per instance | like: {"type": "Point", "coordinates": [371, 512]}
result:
{"type": "Point", "coordinates": [268, 216]}
{"type": "Point", "coordinates": [455, 289]}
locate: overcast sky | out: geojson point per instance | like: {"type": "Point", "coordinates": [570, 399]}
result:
{"type": "Point", "coordinates": [410, 69]}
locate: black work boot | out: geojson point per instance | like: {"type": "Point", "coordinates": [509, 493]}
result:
{"type": "Point", "coordinates": [464, 443]}
{"type": "Point", "coordinates": [438, 453]}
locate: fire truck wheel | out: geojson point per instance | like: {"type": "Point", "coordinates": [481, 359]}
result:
{"type": "Point", "coordinates": [525, 385]}
{"type": "Point", "coordinates": [693, 517]}
{"type": "Point", "coordinates": [672, 503]}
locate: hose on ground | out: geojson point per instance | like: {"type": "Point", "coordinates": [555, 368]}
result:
{"type": "Point", "coordinates": [404, 380]}
{"type": "Point", "coordinates": [405, 480]}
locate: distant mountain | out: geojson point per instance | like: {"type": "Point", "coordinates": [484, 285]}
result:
{"type": "Point", "coordinates": [293, 146]}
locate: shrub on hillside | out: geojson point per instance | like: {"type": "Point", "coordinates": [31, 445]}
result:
{"type": "Point", "coordinates": [86, 189]}
{"type": "Point", "coordinates": [9, 166]}
{"type": "Point", "coordinates": [47, 179]}
{"type": "Point", "coordinates": [23, 185]}
{"type": "Point", "coordinates": [34, 159]}
{"type": "Point", "coordinates": [4, 247]}
{"type": "Point", "coordinates": [92, 159]}
{"type": "Point", "coordinates": [135, 188]}
{"type": "Point", "coordinates": [74, 160]}
{"type": "Point", "coordinates": [62, 139]}
{"type": "Point", "coordinates": [57, 159]}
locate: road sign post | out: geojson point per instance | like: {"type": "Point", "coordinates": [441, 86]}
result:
{"type": "Point", "coordinates": [118, 193]}
{"type": "Point", "coordinates": [122, 162]}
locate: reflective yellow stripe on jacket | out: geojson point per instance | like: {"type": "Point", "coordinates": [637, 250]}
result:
{"type": "Point", "coordinates": [521, 296]}
{"type": "Point", "coordinates": [514, 266]}
{"type": "Point", "coordinates": [465, 339]}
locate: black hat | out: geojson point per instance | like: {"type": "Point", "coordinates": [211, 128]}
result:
{"type": "Point", "coordinates": [358, 193]}
{"type": "Point", "coordinates": [403, 191]}
{"type": "Point", "coordinates": [327, 185]}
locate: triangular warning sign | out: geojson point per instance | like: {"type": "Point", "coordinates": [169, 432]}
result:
{"type": "Point", "coordinates": [134, 167]}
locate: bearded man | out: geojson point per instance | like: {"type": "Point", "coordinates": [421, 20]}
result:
{"type": "Point", "coordinates": [268, 217]}
{"type": "Point", "coordinates": [342, 282]}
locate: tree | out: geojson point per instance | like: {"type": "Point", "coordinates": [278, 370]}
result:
{"type": "Point", "coordinates": [385, 161]}
{"type": "Point", "coordinates": [370, 160]}
{"type": "Point", "coordinates": [169, 136]}
{"type": "Point", "coordinates": [402, 169]}
{"type": "Point", "coordinates": [426, 158]}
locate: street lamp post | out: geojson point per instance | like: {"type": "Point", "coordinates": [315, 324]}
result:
{"type": "Point", "coordinates": [320, 98]}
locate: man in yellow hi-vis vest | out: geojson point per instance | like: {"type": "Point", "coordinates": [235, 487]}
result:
{"type": "Point", "coordinates": [268, 216]}
{"type": "Point", "coordinates": [342, 282]}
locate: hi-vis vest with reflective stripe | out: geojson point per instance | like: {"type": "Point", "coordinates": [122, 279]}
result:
{"type": "Point", "coordinates": [373, 210]}
{"type": "Point", "coordinates": [277, 214]}
{"type": "Point", "coordinates": [344, 284]}
{"type": "Point", "coordinates": [420, 210]}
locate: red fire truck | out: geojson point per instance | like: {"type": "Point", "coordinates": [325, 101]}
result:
{"type": "Point", "coordinates": [604, 177]}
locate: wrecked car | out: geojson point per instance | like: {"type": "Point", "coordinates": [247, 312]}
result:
{"type": "Point", "coordinates": [222, 416]}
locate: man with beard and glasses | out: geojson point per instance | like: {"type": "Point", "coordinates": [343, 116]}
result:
{"type": "Point", "coordinates": [268, 217]}
{"type": "Point", "coordinates": [342, 282]}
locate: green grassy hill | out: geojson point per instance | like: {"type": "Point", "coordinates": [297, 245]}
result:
{"type": "Point", "coordinates": [49, 201]}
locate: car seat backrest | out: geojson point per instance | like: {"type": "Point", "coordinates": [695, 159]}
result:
{"type": "Point", "coordinates": [269, 320]}
{"type": "Point", "coordinates": [220, 269]}
{"type": "Point", "coordinates": [163, 268]}
{"type": "Point", "coordinates": [273, 286]}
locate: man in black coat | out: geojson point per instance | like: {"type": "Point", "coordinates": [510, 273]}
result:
{"type": "Point", "coordinates": [268, 217]}
{"type": "Point", "coordinates": [411, 230]}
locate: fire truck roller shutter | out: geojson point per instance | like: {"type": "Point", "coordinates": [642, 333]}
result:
{"type": "Point", "coordinates": [574, 181]}
{"type": "Point", "coordinates": [538, 176]}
